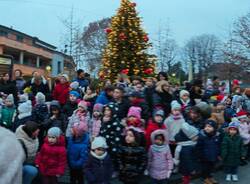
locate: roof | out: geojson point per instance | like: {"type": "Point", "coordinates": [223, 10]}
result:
{"type": "Point", "coordinates": [36, 40]}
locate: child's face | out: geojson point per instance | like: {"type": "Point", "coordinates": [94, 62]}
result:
{"type": "Point", "coordinates": [52, 139]}
{"type": "Point", "coordinates": [176, 112]}
{"type": "Point", "coordinates": [55, 111]}
{"type": "Point", "coordinates": [149, 83]}
{"type": "Point", "coordinates": [132, 119]}
{"type": "Point", "coordinates": [228, 101]}
{"type": "Point", "coordinates": [72, 98]}
{"type": "Point", "coordinates": [8, 103]}
{"type": "Point", "coordinates": [208, 129]}
{"type": "Point", "coordinates": [130, 138]}
{"type": "Point", "coordinates": [193, 115]}
{"type": "Point", "coordinates": [159, 141]}
{"type": "Point", "coordinates": [139, 87]}
{"type": "Point", "coordinates": [232, 131]}
{"type": "Point", "coordinates": [99, 151]}
{"type": "Point", "coordinates": [158, 119]}
{"type": "Point", "coordinates": [81, 109]}
{"type": "Point", "coordinates": [185, 97]}
{"type": "Point", "coordinates": [96, 114]}
{"type": "Point", "coordinates": [89, 91]}
{"type": "Point", "coordinates": [107, 112]}
{"type": "Point", "coordinates": [117, 94]}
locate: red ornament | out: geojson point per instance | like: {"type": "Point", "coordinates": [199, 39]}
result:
{"type": "Point", "coordinates": [145, 38]}
{"type": "Point", "coordinates": [122, 36]}
{"type": "Point", "coordinates": [148, 71]}
{"type": "Point", "coordinates": [108, 30]}
{"type": "Point", "coordinates": [125, 71]}
{"type": "Point", "coordinates": [133, 4]}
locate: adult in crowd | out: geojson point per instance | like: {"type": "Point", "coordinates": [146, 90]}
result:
{"type": "Point", "coordinates": [148, 92]}
{"type": "Point", "coordinates": [162, 76]}
{"type": "Point", "coordinates": [38, 84]}
{"type": "Point", "coordinates": [11, 158]}
{"type": "Point", "coordinates": [19, 81]}
{"type": "Point", "coordinates": [195, 91]}
{"type": "Point", "coordinates": [162, 97]}
{"type": "Point", "coordinates": [83, 82]}
{"type": "Point", "coordinates": [27, 135]}
{"type": "Point", "coordinates": [105, 96]}
{"type": "Point", "coordinates": [61, 90]}
{"type": "Point", "coordinates": [8, 87]}
{"type": "Point", "coordinates": [121, 101]}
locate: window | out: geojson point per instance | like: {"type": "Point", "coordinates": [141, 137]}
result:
{"type": "Point", "coordinates": [19, 38]}
{"type": "Point", "coordinates": [3, 33]}
{"type": "Point", "coordinates": [59, 67]}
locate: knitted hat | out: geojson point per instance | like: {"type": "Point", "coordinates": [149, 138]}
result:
{"type": "Point", "coordinates": [10, 98]}
{"type": "Point", "coordinates": [65, 76]}
{"type": "Point", "coordinates": [99, 142]}
{"type": "Point", "coordinates": [25, 107]}
{"type": "Point", "coordinates": [74, 85]}
{"type": "Point", "coordinates": [134, 111]}
{"type": "Point", "coordinates": [74, 93]}
{"type": "Point", "coordinates": [23, 98]}
{"type": "Point", "coordinates": [175, 105]}
{"type": "Point", "coordinates": [54, 132]}
{"type": "Point", "coordinates": [55, 104]}
{"type": "Point", "coordinates": [83, 104]}
{"type": "Point", "coordinates": [189, 131]}
{"type": "Point", "coordinates": [184, 92]}
{"type": "Point", "coordinates": [40, 98]}
{"type": "Point", "coordinates": [234, 124]}
{"type": "Point", "coordinates": [241, 114]}
{"type": "Point", "coordinates": [212, 123]}
{"type": "Point", "coordinates": [98, 107]}
{"type": "Point", "coordinates": [80, 128]}
{"type": "Point", "coordinates": [159, 112]}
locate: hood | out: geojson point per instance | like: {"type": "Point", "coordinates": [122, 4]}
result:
{"type": "Point", "coordinates": [21, 134]}
{"type": "Point", "coordinates": [158, 132]}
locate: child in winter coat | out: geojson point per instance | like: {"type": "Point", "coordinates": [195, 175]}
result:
{"type": "Point", "coordinates": [160, 161]}
{"type": "Point", "coordinates": [232, 151]}
{"type": "Point", "coordinates": [77, 152]}
{"type": "Point", "coordinates": [71, 104]}
{"type": "Point", "coordinates": [80, 116]}
{"type": "Point", "coordinates": [184, 101]}
{"type": "Point", "coordinates": [174, 123]}
{"type": "Point", "coordinates": [98, 169]}
{"type": "Point", "coordinates": [154, 124]}
{"type": "Point", "coordinates": [111, 130]}
{"type": "Point", "coordinates": [132, 158]}
{"type": "Point", "coordinates": [208, 149]}
{"type": "Point", "coordinates": [134, 118]}
{"type": "Point", "coordinates": [184, 158]}
{"type": "Point", "coordinates": [56, 117]}
{"type": "Point", "coordinates": [96, 122]}
{"type": "Point", "coordinates": [51, 159]}
{"type": "Point", "coordinates": [8, 112]}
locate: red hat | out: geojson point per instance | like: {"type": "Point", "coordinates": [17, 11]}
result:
{"type": "Point", "coordinates": [236, 82]}
{"type": "Point", "coordinates": [241, 114]}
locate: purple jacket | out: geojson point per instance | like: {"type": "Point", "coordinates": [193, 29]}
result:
{"type": "Point", "coordinates": [160, 161]}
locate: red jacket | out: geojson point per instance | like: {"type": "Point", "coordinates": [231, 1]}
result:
{"type": "Point", "coordinates": [52, 159]}
{"type": "Point", "coordinates": [61, 93]}
{"type": "Point", "coordinates": [152, 126]}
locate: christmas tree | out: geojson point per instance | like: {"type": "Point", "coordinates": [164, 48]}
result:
{"type": "Point", "coordinates": [126, 50]}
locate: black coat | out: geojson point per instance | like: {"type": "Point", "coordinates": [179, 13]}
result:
{"type": "Point", "coordinates": [69, 108]}
{"type": "Point", "coordinates": [132, 163]}
{"type": "Point", "coordinates": [19, 122]}
{"type": "Point", "coordinates": [148, 94]}
{"type": "Point", "coordinates": [43, 88]}
{"type": "Point", "coordinates": [208, 147]}
{"type": "Point", "coordinates": [162, 100]}
{"type": "Point", "coordinates": [123, 108]}
{"type": "Point", "coordinates": [40, 113]}
{"type": "Point", "coordinates": [98, 171]}
{"type": "Point", "coordinates": [60, 122]}
{"type": "Point", "coordinates": [9, 88]}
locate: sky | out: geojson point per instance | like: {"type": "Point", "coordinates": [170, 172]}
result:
{"type": "Point", "coordinates": [185, 18]}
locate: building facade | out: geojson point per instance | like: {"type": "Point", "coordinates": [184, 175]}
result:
{"type": "Point", "coordinates": [32, 54]}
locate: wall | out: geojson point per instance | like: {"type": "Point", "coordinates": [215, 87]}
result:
{"type": "Point", "coordinates": [55, 70]}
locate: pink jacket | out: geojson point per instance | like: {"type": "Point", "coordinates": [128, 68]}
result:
{"type": "Point", "coordinates": [160, 161]}
{"type": "Point", "coordinates": [244, 130]}
{"type": "Point", "coordinates": [96, 126]}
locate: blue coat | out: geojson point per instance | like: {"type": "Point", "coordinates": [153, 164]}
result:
{"type": "Point", "coordinates": [102, 99]}
{"type": "Point", "coordinates": [208, 147]}
{"type": "Point", "coordinates": [77, 151]}
{"type": "Point", "coordinates": [82, 82]}
{"type": "Point", "coordinates": [98, 171]}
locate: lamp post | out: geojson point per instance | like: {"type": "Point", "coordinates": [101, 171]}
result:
{"type": "Point", "coordinates": [48, 70]}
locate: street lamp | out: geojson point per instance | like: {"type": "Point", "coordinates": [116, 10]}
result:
{"type": "Point", "coordinates": [173, 74]}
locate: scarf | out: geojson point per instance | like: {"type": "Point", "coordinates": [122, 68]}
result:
{"type": "Point", "coordinates": [99, 157]}
{"type": "Point", "coordinates": [161, 148]}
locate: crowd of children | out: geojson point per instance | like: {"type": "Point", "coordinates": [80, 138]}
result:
{"type": "Point", "coordinates": [128, 130]}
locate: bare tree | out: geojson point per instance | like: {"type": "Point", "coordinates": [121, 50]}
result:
{"type": "Point", "coordinates": [202, 51]}
{"type": "Point", "coordinates": [166, 49]}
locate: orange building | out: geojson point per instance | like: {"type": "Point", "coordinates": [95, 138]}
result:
{"type": "Point", "coordinates": [32, 54]}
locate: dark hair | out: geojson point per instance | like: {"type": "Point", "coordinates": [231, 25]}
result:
{"type": "Point", "coordinates": [136, 78]}
{"type": "Point", "coordinates": [195, 109]}
{"type": "Point", "coordinates": [79, 71]}
{"type": "Point", "coordinates": [109, 88]}
{"type": "Point", "coordinates": [160, 136]}
{"type": "Point", "coordinates": [139, 139]}
{"type": "Point", "coordinates": [164, 74]}
{"type": "Point", "coordinates": [20, 71]}
{"type": "Point", "coordinates": [120, 89]}
{"type": "Point", "coordinates": [215, 78]}
{"type": "Point", "coordinates": [30, 127]}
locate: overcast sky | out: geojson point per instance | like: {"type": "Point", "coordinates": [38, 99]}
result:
{"type": "Point", "coordinates": [186, 18]}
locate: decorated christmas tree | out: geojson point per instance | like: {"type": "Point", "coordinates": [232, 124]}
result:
{"type": "Point", "coordinates": [127, 47]}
